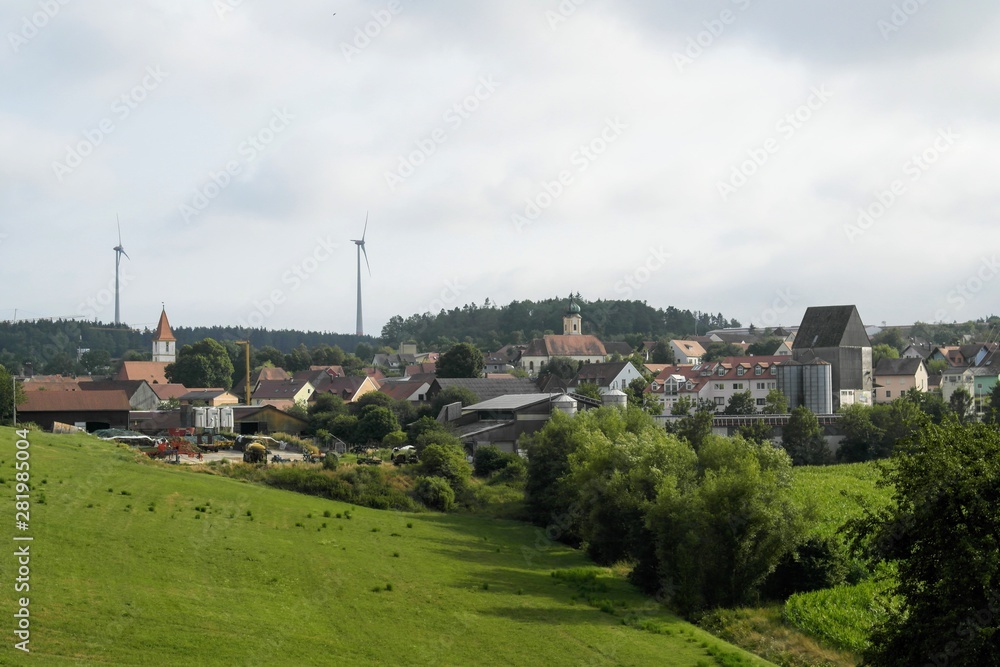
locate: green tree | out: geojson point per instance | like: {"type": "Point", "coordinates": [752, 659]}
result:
{"type": "Point", "coordinates": [548, 496]}
{"type": "Point", "coordinates": [765, 347]}
{"type": "Point", "coordinates": [374, 423]}
{"type": "Point", "coordinates": [880, 352]}
{"type": "Point", "coordinates": [940, 536]}
{"type": "Point", "coordinates": [448, 462]}
{"type": "Point", "coordinates": [11, 393]}
{"type": "Point", "coordinates": [588, 389]}
{"type": "Point", "coordinates": [720, 536]}
{"type": "Point", "coordinates": [962, 404]}
{"type": "Point", "coordinates": [617, 471]}
{"type": "Point", "coordinates": [803, 439]}
{"type": "Point", "coordinates": [638, 396]}
{"type": "Point", "coordinates": [461, 361]}
{"type": "Point", "coordinates": [741, 403]}
{"type": "Point", "coordinates": [662, 353]}
{"type": "Point", "coordinates": [889, 337]}
{"type": "Point", "coordinates": [561, 367]}
{"type": "Point", "coordinates": [775, 403]}
{"type": "Point", "coordinates": [96, 361]}
{"type": "Point", "coordinates": [682, 406]}
{"type": "Point", "coordinates": [717, 351]}
{"type": "Point", "coordinates": [202, 364]}
{"type": "Point", "coordinates": [452, 395]}
{"type": "Point", "coordinates": [937, 366]}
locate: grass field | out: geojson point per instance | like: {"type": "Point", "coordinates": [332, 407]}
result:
{"type": "Point", "coordinates": [833, 492]}
{"type": "Point", "coordinates": [136, 564]}
{"type": "Point", "coordinates": [840, 617]}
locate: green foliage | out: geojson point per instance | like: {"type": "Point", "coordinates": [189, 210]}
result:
{"type": "Point", "coordinates": [962, 404]}
{"type": "Point", "coordinates": [717, 351]}
{"type": "Point", "coordinates": [561, 367]}
{"type": "Point", "coordinates": [435, 492]}
{"type": "Point", "coordinates": [452, 395]}
{"type": "Point", "coordinates": [588, 389]}
{"type": "Point", "coordinates": [394, 439]}
{"type": "Point", "coordinates": [874, 432]}
{"type": "Point", "coordinates": [937, 366]}
{"type": "Point", "coordinates": [803, 439]}
{"type": "Point", "coordinates": [695, 429]}
{"type": "Point", "coordinates": [202, 364]}
{"type": "Point", "coordinates": [374, 424]}
{"type": "Point", "coordinates": [617, 470]}
{"type": "Point", "coordinates": [638, 397]}
{"type": "Point", "coordinates": [10, 393]}
{"type": "Point", "coordinates": [842, 616]}
{"type": "Point", "coordinates": [331, 461]}
{"type": "Point", "coordinates": [489, 459]}
{"type": "Point", "coordinates": [718, 538]}
{"type": "Point", "coordinates": [941, 535]}
{"type": "Point", "coordinates": [547, 496]}
{"type": "Point", "coordinates": [741, 403]}
{"type": "Point", "coordinates": [764, 347]}
{"type": "Point", "coordinates": [461, 361]}
{"type": "Point", "coordinates": [662, 353]}
{"type": "Point", "coordinates": [880, 352]}
{"type": "Point", "coordinates": [817, 563]}
{"type": "Point", "coordinates": [775, 403]}
{"type": "Point", "coordinates": [446, 461]}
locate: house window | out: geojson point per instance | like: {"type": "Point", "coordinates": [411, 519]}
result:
{"type": "Point", "coordinates": [761, 401]}
{"type": "Point", "coordinates": [774, 370]}
{"type": "Point", "coordinates": [722, 371]}
{"type": "Point", "coordinates": [531, 365]}
{"type": "Point", "coordinates": [888, 394]}
{"type": "Point", "coordinates": [740, 371]}
{"type": "Point", "coordinates": [760, 385]}
{"type": "Point", "coordinates": [720, 386]}
{"type": "Point", "coordinates": [738, 386]}
{"type": "Point", "coordinates": [758, 370]}
{"type": "Point", "coordinates": [719, 400]}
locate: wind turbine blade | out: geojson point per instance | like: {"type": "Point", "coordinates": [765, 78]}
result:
{"type": "Point", "coordinates": [119, 229]}
{"type": "Point", "coordinates": [366, 259]}
{"type": "Point", "coordinates": [126, 255]}
{"type": "Point", "coordinates": [365, 230]}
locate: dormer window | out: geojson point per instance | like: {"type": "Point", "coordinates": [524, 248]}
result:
{"type": "Point", "coordinates": [774, 370]}
{"type": "Point", "coordinates": [722, 371]}
{"type": "Point", "coordinates": [758, 370]}
{"type": "Point", "coordinates": [740, 370]}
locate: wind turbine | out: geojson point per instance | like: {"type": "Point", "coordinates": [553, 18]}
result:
{"type": "Point", "coordinates": [119, 251]}
{"type": "Point", "coordinates": [361, 249]}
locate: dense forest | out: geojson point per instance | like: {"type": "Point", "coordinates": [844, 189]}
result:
{"type": "Point", "coordinates": [490, 326]}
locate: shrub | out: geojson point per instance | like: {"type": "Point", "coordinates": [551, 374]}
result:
{"type": "Point", "coordinates": [817, 563]}
{"type": "Point", "coordinates": [489, 459]}
{"type": "Point", "coordinates": [435, 493]}
{"type": "Point", "coordinates": [448, 462]}
{"type": "Point", "coordinates": [394, 439]}
{"type": "Point", "coordinates": [516, 470]}
{"type": "Point", "coordinates": [331, 461]}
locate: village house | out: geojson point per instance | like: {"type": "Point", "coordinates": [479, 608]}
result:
{"type": "Point", "coordinates": [573, 343]}
{"type": "Point", "coordinates": [894, 377]}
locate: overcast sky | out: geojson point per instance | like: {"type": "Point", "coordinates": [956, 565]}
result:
{"type": "Point", "coordinates": [711, 155]}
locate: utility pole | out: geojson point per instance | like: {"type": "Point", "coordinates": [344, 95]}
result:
{"type": "Point", "coordinates": [246, 344]}
{"type": "Point", "coordinates": [13, 397]}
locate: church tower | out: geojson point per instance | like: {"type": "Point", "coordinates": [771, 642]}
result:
{"type": "Point", "coordinates": [164, 343]}
{"type": "Point", "coordinates": [572, 322]}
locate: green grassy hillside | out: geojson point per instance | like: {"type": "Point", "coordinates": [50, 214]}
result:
{"type": "Point", "coordinates": [834, 492]}
{"type": "Point", "coordinates": [137, 564]}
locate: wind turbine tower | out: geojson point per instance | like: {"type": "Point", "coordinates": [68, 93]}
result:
{"type": "Point", "coordinates": [361, 249]}
{"type": "Point", "coordinates": [119, 251]}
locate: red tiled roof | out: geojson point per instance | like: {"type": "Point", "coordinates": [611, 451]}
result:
{"type": "Point", "coordinates": [75, 401]}
{"type": "Point", "coordinates": [150, 371]}
{"type": "Point", "coordinates": [582, 345]}
{"type": "Point", "coordinates": [163, 331]}
{"type": "Point", "coordinates": [165, 392]}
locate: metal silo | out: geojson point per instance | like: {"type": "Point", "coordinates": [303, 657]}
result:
{"type": "Point", "coordinates": [817, 386]}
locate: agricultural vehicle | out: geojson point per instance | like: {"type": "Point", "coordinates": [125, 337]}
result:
{"type": "Point", "coordinates": [255, 453]}
{"type": "Point", "coordinates": [407, 454]}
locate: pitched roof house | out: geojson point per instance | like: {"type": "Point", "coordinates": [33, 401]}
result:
{"type": "Point", "coordinates": [93, 410]}
{"type": "Point", "coordinates": [894, 377]}
{"type": "Point", "coordinates": [572, 343]}
{"type": "Point", "coordinates": [152, 372]}
{"type": "Point", "coordinates": [687, 351]}
{"type": "Point", "coordinates": [607, 376]}
{"type": "Point", "coordinates": [836, 335]}
{"type": "Point", "coordinates": [282, 394]}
